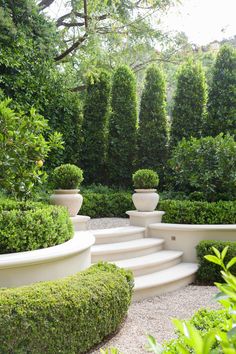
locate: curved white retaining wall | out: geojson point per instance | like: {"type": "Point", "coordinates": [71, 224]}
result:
{"type": "Point", "coordinates": [50, 263]}
{"type": "Point", "coordinates": [185, 237]}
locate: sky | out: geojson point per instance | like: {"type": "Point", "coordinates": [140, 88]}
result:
{"type": "Point", "coordinates": [203, 21]}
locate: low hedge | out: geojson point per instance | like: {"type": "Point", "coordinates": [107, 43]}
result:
{"type": "Point", "coordinates": [67, 316]}
{"type": "Point", "coordinates": [177, 211]}
{"type": "Point", "coordinates": [208, 272]}
{"type": "Point", "coordinates": [30, 226]}
{"type": "Point", "coordinates": [189, 212]}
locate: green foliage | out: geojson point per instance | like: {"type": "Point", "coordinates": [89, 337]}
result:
{"type": "Point", "coordinates": [67, 177]}
{"type": "Point", "coordinates": [222, 94]}
{"type": "Point", "coordinates": [94, 127]}
{"type": "Point", "coordinates": [98, 205]}
{"type": "Point", "coordinates": [206, 165]}
{"type": "Point", "coordinates": [195, 212]}
{"type": "Point", "coordinates": [122, 128]}
{"type": "Point", "coordinates": [145, 179]}
{"type": "Point", "coordinates": [23, 149]}
{"type": "Point", "coordinates": [208, 273]}
{"type": "Point", "coordinates": [30, 226]}
{"type": "Point", "coordinates": [152, 133]}
{"type": "Point", "coordinates": [189, 103]}
{"type": "Point", "coordinates": [70, 315]}
{"type": "Point", "coordinates": [209, 332]}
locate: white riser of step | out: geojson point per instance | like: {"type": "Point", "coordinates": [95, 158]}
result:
{"type": "Point", "coordinates": [152, 262]}
{"type": "Point", "coordinates": [118, 234]}
{"type": "Point", "coordinates": [125, 250]}
{"type": "Point", "coordinates": [164, 281]}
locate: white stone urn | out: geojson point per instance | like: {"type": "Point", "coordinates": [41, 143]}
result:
{"type": "Point", "coordinates": [69, 198]}
{"type": "Point", "coordinates": [145, 199]}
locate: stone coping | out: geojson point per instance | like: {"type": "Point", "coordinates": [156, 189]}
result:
{"type": "Point", "coordinates": [193, 227]}
{"type": "Point", "coordinates": [80, 242]}
{"type": "Point", "coordinates": [144, 214]}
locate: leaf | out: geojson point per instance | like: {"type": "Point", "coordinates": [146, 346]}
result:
{"type": "Point", "coordinates": [213, 259]}
{"type": "Point", "coordinates": [231, 263]}
{"type": "Point", "coordinates": [216, 251]}
{"type": "Point", "coordinates": [224, 252]}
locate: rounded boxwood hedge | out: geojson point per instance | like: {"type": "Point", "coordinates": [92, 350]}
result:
{"type": "Point", "coordinates": [70, 315]}
{"type": "Point", "coordinates": [30, 226]}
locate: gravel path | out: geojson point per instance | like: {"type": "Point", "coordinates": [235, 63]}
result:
{"type": "Point", "coordinates": [153, 316]}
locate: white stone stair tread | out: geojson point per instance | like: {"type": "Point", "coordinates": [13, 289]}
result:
{"type": "Point", "coordinates": [138, 244]}
{"type": "Point", "coordinates": [117, 231]}
{"type": "Point", "coordinates": [149, 260]}
{"type": "Point", "coordinates": [169, 275]}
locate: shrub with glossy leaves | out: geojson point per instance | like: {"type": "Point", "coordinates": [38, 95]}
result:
{"type": "Point", "coordinates": [206, 165]}
{"type": "Point", "coordinates": [67, 177]}
{"type": "Point", "coordinates": [145, 179]}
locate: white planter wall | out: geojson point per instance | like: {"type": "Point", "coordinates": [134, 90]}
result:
{"type": "Point", "coordinates": [17, 269]}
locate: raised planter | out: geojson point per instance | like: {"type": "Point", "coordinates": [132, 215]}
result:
{"type": "Point", "coordinates": [185, 237]}
{"type": "Point", "coordinates": [50, 263]}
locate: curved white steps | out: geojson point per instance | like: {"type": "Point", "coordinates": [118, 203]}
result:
{"type": "Point", "coordinates": [119, 234]}
{"type": "Point", "coordinates": [164, 281]}
{"type": "Point", "coordinates": [124, 250]}
{"type": "Point", "coordinates": [152, 262]}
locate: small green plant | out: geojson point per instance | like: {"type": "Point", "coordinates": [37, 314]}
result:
{"type": "Point", "coordinates": [145, 179]}
{"type": "Point", "coordinates": [110, 351]}
{"type": "Point", "coordinates": [67, 177]}
{"type": "Point", "coordinates": [23, 150]}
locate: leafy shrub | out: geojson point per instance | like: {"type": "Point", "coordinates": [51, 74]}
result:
{"type": "Point", "coordinates": [209, 273]}
{"type": "Point", "coordinates": [30, 226]}
{"type": "Point", "coordinates": [145, 179]}
{"type": "Point", "coordinates": [98, 205]}
{"type": "Point", "coordinates": [206, 165]}
{"type": "Point", "coordinates": [67, 177]}
{"type": "Point", "coordinates": [70, 315]}
{"type": "Point", "coordinates": [191, 212]}
{"type": "Point", "coordinates": [23, 149]}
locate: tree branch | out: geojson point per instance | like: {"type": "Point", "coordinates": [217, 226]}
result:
{"type": "Point", "coordinates": [45, 3]}
{"type": "Point", "coordinates": [74, 46]}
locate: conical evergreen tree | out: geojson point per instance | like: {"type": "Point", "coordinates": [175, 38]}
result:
{"type": "Point", "coordinates": [152, 133]}
{"type": "Point", "coordinates": [94, 128]}
{"type": "Point", "coordinates": [222, 95]}
{"type": "Point", "coordinates": [189, 103]}
{"type": "Point", "coordinates": [122, 128]}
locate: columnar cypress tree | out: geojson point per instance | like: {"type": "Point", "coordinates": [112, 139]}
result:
{"type": "Point", "coordinates": [222, 94]}
{"type": "Point", "coordinates": [94, 127]}
{"type": "Point", "coordinates": [189, 103]}
{"type": "Point", "coordinates": [122, 127]}
{"type": "Point", "coordinates": [152, 137]}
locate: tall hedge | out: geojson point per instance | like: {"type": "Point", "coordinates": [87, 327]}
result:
{"type": "Point", "coordinates": [122, 136]}
{"type": "Point", "coordinates": [94, 128]}
{"type": "Point", "coordinates": [222, 94]}
{"type": "Point", "coordinates": [152, 133]}
{"type": "Point", "coordinates": [189, 103]}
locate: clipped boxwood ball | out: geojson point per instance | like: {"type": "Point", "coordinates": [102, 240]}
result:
{"type": "Point", "coordinates": [67, 176]}
{"type": "Point", "coordinates": [145, 179]}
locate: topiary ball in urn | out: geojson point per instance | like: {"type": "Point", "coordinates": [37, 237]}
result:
{"type": "Point", "coordinates": [66, 180]}
{"type": "Point", "coordinates": [145, 198]}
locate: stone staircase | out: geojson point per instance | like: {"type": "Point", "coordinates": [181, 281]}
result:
{"type": "Point", "coordinates": [156, 269]}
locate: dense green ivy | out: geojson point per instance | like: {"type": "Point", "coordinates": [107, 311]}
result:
{"type": "Point", "coordinates": [152, 133]}
{"type": "Point", "coordinates": [189, 103]}
{"type": "Point", "coordinates": [222, 94]}
{"type": "Point", "coordinates": [94, 129]}
{"type": "Point", "coordinates": [122, 136]}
